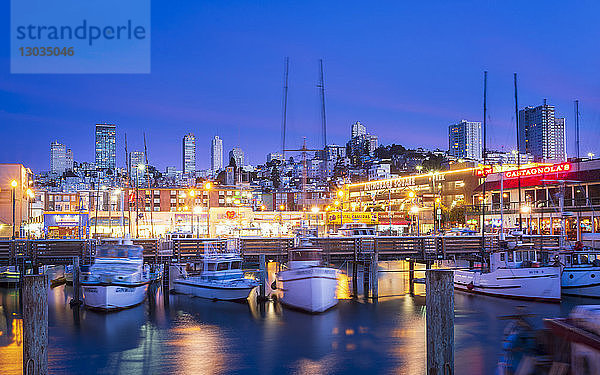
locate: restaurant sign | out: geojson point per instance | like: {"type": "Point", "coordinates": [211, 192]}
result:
{"type": "Point", "coordinates": [353, 217]}
{"type": "Point", "coordinates": [536, 171]}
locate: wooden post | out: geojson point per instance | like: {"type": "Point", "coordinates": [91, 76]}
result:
{"type": "Point", "coordinates": [374, 275]}
{"type": "Point", "coordinates": [355, 272]}
{"type": "Point", "coordinates": [165, 282]}
{"type": "Point", "coordinates": [439, 300]}
{"type": "Point", "coordinates": [35, 324]}
{"type": "Point", "coordinates": [76, 283]}
{"type": "Point", "coordinates": [262, 265]}
{"type": "Point", "coordinates": [365, 277]}
{"type": "Point", "coordinates": [411, 276]}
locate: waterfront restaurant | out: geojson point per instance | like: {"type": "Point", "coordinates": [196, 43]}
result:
{"type": "Point", "coordinates": [406, 205]}
{"type": "Point", "coordinates": [553, 196]}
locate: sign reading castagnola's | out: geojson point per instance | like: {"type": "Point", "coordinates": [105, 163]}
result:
{"type": "Point", "coordinates": [353, 217]}
{"type": "Point", "coordinates": [534, 171]}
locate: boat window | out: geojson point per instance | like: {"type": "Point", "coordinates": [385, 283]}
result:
{"type": "Point", "coordinates": [575, 259]}
{"type": "Point", "coordinates": [212, 266]}
{"type": "Point", "coordinates": [583, 259]}
{"type": "Point", "coordinates": [510, 256]}
{"type": "Point", "coordinates": [306, 255]}
{"type": "Point", "coordinates": [222, 266]}
{"type": "Point", "coordinates": [502, 257]}
{"type": "Point", "coordinates": [525, 255]}
{"type": "Point", "coordinates": [236, 265]}
{"type": "Point", "coordinates": [567, 259]}
{"type": "Point", "coordinates": [201, 267]}
{"type": "Point", "coordinates": [518, 256]}
{"type": "Point", "coordinates": [532, 255]}
{"type": "Point", "coordinates": [591, 257]}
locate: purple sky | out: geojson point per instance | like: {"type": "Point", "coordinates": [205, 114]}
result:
{"type": "Point", "coordinates": [406, 71]}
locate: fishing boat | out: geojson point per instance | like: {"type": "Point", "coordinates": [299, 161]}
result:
{"type": "Point", "coordinates": [581, 272]}
{"type": "Point", "coordinates": [307, 284]}
{"type": "Point", "coordinates": [517, 271]}
{"type": "Point", "coordinates": [117, 279]}
{"type": "Point", "coordinates": [220, 276]}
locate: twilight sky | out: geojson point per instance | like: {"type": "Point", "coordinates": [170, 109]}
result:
{"type": "Point", "coordinates": [407, 71]}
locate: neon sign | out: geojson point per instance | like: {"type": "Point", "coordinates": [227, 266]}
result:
{"type": "Point", "coordinates": [535, 171]}
{"type": "Point", "coordinates": [484, 171]}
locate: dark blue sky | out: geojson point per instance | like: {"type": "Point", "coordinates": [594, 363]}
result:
{"type": "Point", "coordinates": [405, 70]}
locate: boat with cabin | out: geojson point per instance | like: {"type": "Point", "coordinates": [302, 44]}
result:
{"type": "Point", "coordinates": [117, 279]}
{"type": "Point", "coordinates": [581, 272]}
{"type": "Point", "coordinates": [220, 276]}
{"type": "Point", "coordinates": [516, 271]}
{"type": "Point", "coordinates": [307, 284]}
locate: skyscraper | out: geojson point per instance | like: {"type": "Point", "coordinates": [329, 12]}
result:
{"type": "Point", "coordinates": [358, 129]}
{"type": "Point", "coordinates": [189, 154]}
{"type": "Point", "coordinates": [541, 134]}
{"type": "Point", "coordinates": [464, 140]}
{"type": "Point", "coordinates": [58, 158]}
{"type": "Point", "coordinates": [216, 154]}
{"type": "Point", "coordinates": [136, 158]}
{"type": "Point", "coordinates": [106, 146]}
{"type": "Point", "coordinates": [238, 155]}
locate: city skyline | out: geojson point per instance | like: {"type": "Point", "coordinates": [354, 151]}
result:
{"type": "Point", "coordinates": [394, 87]}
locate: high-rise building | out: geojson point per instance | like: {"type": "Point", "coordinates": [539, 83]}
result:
{"type": "Point", "coordinates": [238, 155]}
{"type": "Point", "coordinates": [106, 146]}
{"type": "Point", "coordinates": [136, 159]}
{"type": "Point", "coordinates": [358, 129]}
{"type": "Point", "coordinates": [69, 160]}
{"type": "Point", "coordinates": [541, 134]}
{"type": "Point", "coordinates": [464, 140]}
{"type": "Point", "coordinates": [216, 154]}
{"type": "Point", "coordinates": [189, 154]}
{"type": "Point", "coordinates": [58, 158]}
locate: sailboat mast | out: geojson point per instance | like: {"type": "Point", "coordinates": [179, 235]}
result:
{"type": "Point", "coordinates": [484, 153]}
{"type": "Point", "coordinates": [577, 128]}
{"type": "Point", "coordinates": [128, 168]}
{"type": "Point", "coordinates": [518, 152]}
{"type": "Point", "coordinates": [284, 109]}
{"type": "Point", "coordinates": [151, 193]}
{"type": "Point", "coordinates": [323, 119]}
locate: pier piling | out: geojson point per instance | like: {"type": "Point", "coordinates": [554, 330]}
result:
{"type": "Point", "coordinates": [374, 276]}
{"type": "Point", "coordinates": [366, 278]}
{"type": "Point", "coordinates": [411, 277]}
{"type": "Point", "coordinates": [439, 300]}
{"type": "Point", "coordinates": [35, 324]}
{"type": "Point", "coordinates": [76, 301]}
{"type": "Point", "coordinates": [262, 265]}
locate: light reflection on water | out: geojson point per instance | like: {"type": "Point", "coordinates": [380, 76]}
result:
{"type": "Point", "coordinates": [196, 336]}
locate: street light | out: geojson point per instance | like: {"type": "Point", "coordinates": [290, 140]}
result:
{"type": "Point", "coordinates": [526, 209]}
{"type": "Point", "coordinates": [13, 185]}
{"type": "Point", "coordinates": [414, 210]}
{"type": "Point", "coordinates": [208, 186]}
{"type": "Point", "coordinates": [590, 155]}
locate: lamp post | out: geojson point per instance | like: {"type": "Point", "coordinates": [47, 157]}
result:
{"type": "Point", "coordinates": [193, 204]}
{"type": "Point", "coordinates": [315, 210]}
{"type": "Point", "coordinates": [13, 185]}
{"type": "Point", "coordinates": [415, 211]}
{"type": "Point", "coordinates": [340, 195]}
{"type": "Point", "coordinates": [30, 196]}
{"type": "Point", "coordinates": [208, 187]}
{"type": "Point", "coordinates": [527, 210]}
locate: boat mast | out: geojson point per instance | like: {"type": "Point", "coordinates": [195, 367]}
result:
{"type": "Point", "coordinates": [321, 86]}
{"type": "Point", "coordinates": [518, 153]}
{"type": "Point", "coordinates": [151, 193]}
{"type": "Point", "coordinates": [501, 237]}
{"type": "Point", "coordinates": [484, 155]}
{"type": "Point", "coordinates": [128, 169]}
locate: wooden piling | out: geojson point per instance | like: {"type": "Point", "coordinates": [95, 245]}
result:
{"type": "Point", "coordinates": [439, 300]}
{"type": "Point", "coordinates": [374, 275]}
{"type": "Point", "coordinates": [76, 301]}
{"type": "Point", "coordinates": [262, 289]}
{"type": "Point", "coordinates": [166, 276]}
{"type": "Point", "coordinates": [35, 324]}
{"type": "Point", "coordinates": [366, 274]}
{"type": "Point", "coordinates": [411, 277]}
{"type": "Point", "coordinates": [354, 279]}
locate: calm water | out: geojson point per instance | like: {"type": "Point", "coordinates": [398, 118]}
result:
{"type": "Point", "coordinates": [196, 336]}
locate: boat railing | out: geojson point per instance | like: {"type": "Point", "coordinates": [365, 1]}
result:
{"type": "Point", "coordinates": [222, 247]}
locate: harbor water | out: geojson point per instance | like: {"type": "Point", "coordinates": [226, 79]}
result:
{"type": "Point", "coordinates": [196, 336]}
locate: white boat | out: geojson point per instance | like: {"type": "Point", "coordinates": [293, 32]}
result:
{"type": "Point", "coordinates": [221, 277]}
{"type": "Point", "coordinates": [117, 279]}
{"type": "Point", "coordinates": [513, 273]}
{"type": "Point", "coordinates": [306, 284]}
{"type": "Point", "coordinates": [9, 275]}
{"type": "Point", "coordinates": [581, 273]}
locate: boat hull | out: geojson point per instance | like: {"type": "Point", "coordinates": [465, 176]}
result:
{"type": "Point", "coordinates": [311, 289]}
{"type": "Point", "coordinates": [538, 284]}
{"type": "Point", "coordinates": [212, 291]}
{"type": "Point", "coordinates": [113, 296]}
{"type": "Point", "coordinates": [581, 281]}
